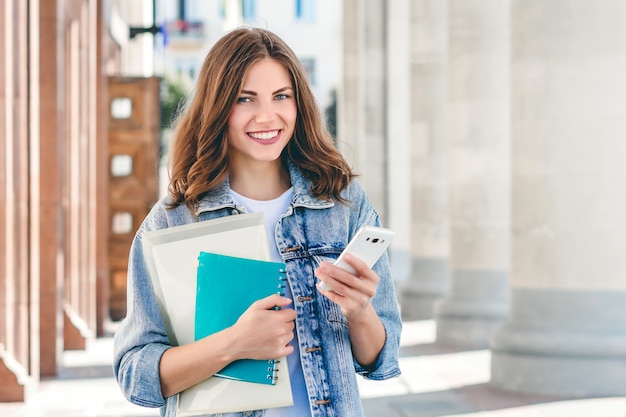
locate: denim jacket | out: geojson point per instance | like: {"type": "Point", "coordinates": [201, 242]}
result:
{"type": "Point", "coordinates": [311, 231]}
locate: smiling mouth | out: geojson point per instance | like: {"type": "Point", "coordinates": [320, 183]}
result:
{"type": "Point", "coordinates": [264, 135]}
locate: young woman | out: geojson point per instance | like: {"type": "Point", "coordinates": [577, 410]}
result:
{"type": "Point", "coordinates": [252, 139]}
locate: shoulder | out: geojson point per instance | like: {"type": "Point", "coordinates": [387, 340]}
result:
{"type": "Point", "coordinates": [355, 195]}
{"type": "Point", "coordinates": [161, 216]}
{"type": "Point", "coordinates": [361, 208]}
{"type": "Point", "coordinates": [355, 189]}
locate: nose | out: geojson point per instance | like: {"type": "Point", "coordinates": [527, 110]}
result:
{"type": "Point", "coordinates": [265, 112]}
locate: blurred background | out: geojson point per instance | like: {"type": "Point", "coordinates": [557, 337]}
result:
{"type": "Point", "coordinates": [490, 134]}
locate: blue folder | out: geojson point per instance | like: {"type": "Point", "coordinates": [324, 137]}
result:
{"type": "Point", "coordinates": [226, 287]}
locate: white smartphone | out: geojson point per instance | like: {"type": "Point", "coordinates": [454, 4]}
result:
{"type": "Point", "coordinates": [368, 244]}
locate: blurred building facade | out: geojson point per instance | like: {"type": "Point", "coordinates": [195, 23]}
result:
{"type": "Point", "coordinates": [311, 27]}
{"type": "Point", "coordinates": [511, 116]}
{"type": "Point", "coordinates": [56, 60]}
{"type": "Point", "coordinates": [488, 133]}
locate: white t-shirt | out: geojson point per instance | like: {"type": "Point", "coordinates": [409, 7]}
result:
{"type": "Point", "coordinates": [272, 210]}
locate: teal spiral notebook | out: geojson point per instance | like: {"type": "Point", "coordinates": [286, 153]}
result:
{"type": "Point", "coordinates": [226, 287]}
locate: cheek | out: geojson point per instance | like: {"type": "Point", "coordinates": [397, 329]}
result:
{"type": "Point", "coordinates": [236, 121]}
{"type": "Point", "coordinates": [291, 114]}
{"type": "Point", "coordinates": [233, 132]}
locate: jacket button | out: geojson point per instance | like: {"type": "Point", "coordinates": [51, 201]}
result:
{"type": "Point", "coordinates": [304, 298]}
{"type": "Point", "coordinates": [312, 349]}
{"type": "Point", "coordinates": [322, 402]}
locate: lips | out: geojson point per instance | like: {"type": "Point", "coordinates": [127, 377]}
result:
{"type": "Point", "coordinates": [269, 135]}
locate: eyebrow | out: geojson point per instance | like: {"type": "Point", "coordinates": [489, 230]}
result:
{"type": "Point", "coordinates": [280, 90]}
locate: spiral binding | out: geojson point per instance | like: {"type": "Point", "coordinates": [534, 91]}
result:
{"type": "Point", "coordinates": [272, 369]}
{"type": "Point", "coordinates": [281, 285]}
{"type": "Point", "coordinates": [281, 290]}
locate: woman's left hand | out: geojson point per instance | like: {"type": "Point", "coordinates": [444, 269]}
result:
{"type": "Point", "coordinates": [352, 293]}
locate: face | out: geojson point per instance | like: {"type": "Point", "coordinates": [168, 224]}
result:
{"type": "Point", "coordinates": [262, 120]}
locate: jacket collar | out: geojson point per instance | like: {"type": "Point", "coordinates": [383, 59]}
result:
{"type": "Point", "coordinates": [220, 197]}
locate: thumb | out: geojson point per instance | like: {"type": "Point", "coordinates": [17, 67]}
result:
{"type": "Point", "coordinates": [274, 300]}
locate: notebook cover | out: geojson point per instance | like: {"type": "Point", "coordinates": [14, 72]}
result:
{"type": "Point", "coordinates": [226, 287]}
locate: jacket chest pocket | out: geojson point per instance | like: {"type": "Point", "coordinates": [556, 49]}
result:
{"type": "Point", "coordinates": [329, 310]}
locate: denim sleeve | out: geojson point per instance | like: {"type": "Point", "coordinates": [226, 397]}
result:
{"type": "Point", "coordinates": [141, 340]}
{"type": "Point", "coordinates": [384, 302]}
{"type": "Point", "coordinates": [386, 305]}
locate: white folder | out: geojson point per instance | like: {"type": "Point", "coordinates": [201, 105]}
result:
{"type": "Point", "coordinates": [172, 258]}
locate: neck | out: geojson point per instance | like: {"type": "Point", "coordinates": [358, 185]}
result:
{"type": "Point", "coordinates": [260, 182]}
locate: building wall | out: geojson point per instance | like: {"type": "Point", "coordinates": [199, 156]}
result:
{"type": "Point", "coordinates": [316, 36]}
{"type": "Point", "coordinates": [517, 126]}
{"type": "Point", "coordinates": [15, 330]}
{"type": "Point", "coordinates": [51, 185]}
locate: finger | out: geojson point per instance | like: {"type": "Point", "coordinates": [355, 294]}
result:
{"type": "Point", "coordinates": [333, 295]}
{"type": "Point", "coordinates": [337, 278]}
{"type": "Point", "coordinates": [286, 350]}
{"type": "Point", "coordinates": [286, 314]}
{"type": "Point", "coordinates": [289, 336]}
{"type": "Point", "coordinates": [274, 300]}
{"type": "Point", "coordinates": [359, 266]}
{"type": "Point", "coordinates": [327, 270]}
{"type": "Point", "coordinates": [365, 280]}
{"type": "Point", "coordinates": [333, 279]}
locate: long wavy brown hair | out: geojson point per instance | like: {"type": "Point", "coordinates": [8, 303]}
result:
{"type": "Point", "coordinates": [199, 158]}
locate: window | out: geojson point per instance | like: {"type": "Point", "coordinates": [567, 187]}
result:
{"type": "Point", "coordinates": [309, 67]}
{"type": "Point", "coordinates": [122, 223]}
{"type": "Point", "coordinates": [247, 9]}
{"type": "Point", "coordinates": [121, 165]}
{"type": "Point", "coordinates": [305, 10]}
{"type": "Point", "coordinates": [192, 11]}
{"type": "Point", "coordinates": [121, 108]}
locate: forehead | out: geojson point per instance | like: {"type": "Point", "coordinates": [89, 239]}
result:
{"type": "Point", "coordinates": [267, 72]}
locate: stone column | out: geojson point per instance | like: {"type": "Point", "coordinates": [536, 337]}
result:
{"type": "Point", "coordinates": [429, 186]}
{"type": "Point", "coordinates": [566, 332]}
{"type": "Point", "coordinates": [362, 102]}
{"type": "Point", "coordinates": [374, 132]}
{"type": "Point", "coordinates": [398, 135]}
{"type": "Point", "coordinates": [478, 78]}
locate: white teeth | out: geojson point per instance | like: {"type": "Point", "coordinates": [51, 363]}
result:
{"type": "Point", "coordinates": [265, 135]}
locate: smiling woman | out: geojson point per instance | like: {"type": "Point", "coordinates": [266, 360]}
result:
{"type": "Point", "coordinates": [253, 140]}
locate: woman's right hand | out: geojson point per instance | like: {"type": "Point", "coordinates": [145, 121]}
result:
{"type": "Point", "coordinates": [264, 330]}
{"type": "Point", "coordinates": [260, 333]}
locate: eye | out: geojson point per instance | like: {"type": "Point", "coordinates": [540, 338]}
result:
{"type": "Point", "coordinates": [281, 97]}
{"type": "Point", "coordinates": [244, 100]}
